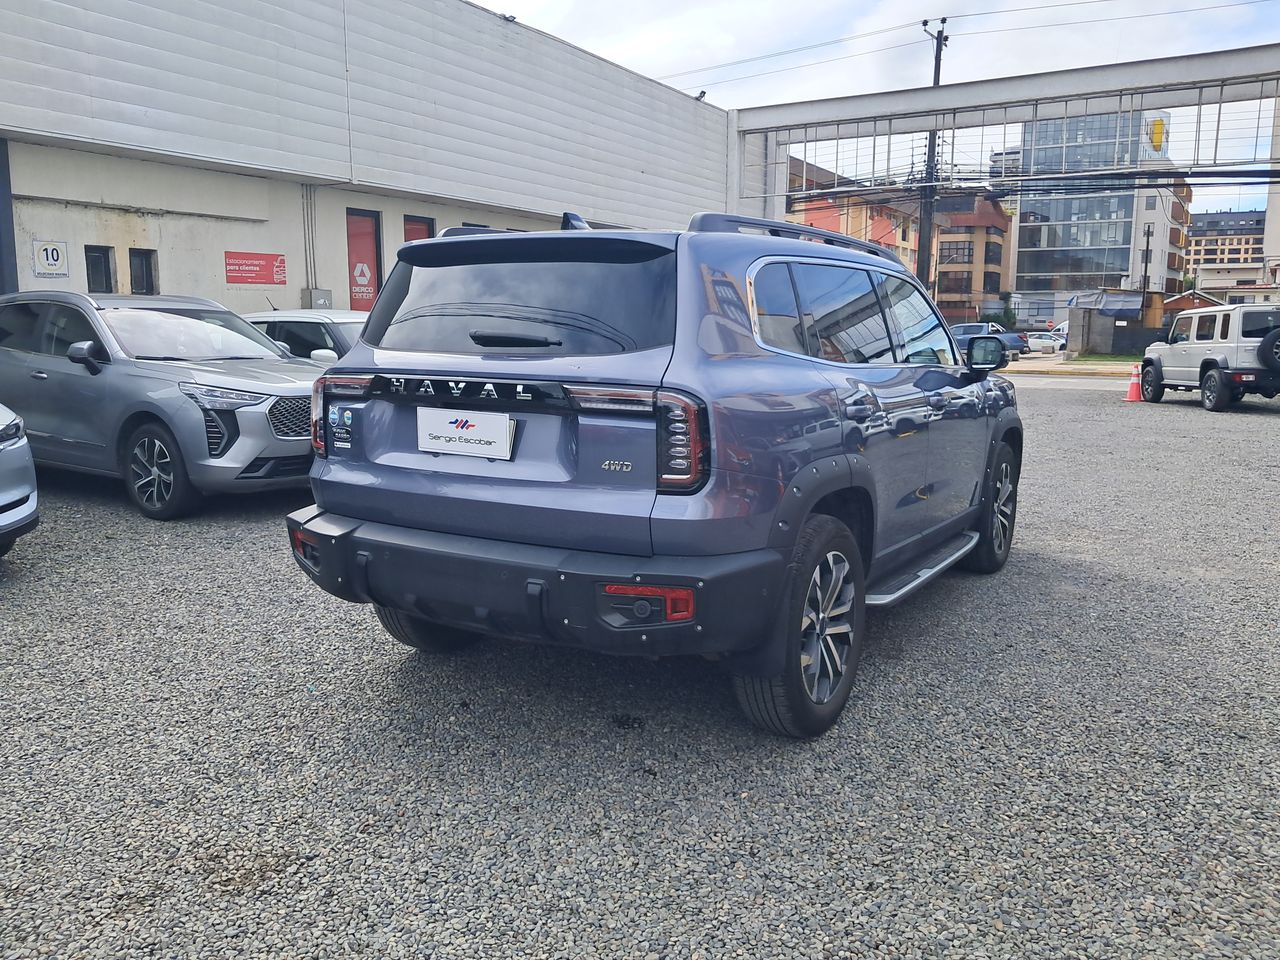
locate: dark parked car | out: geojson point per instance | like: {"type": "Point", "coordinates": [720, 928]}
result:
{"type": "Point", "coordinates": [1015, 343]}
{"type": "Point", "coordinates": [726, 441]}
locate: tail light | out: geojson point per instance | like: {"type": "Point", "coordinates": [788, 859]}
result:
{"type": "Point", "coordinates": [324, 387]}
{"type": "Point", "coordinates": [683, 448]}
{"type": "Point", "coordinates": [683, 443]}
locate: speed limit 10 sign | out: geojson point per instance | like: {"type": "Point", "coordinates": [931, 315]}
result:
{"type": "Point", "coordinates": [49, 257]}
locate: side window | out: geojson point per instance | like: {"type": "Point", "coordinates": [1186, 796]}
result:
{"type": "Point", "coordinates": [1205, 325]}
{"type": "Point", "coordinates": [302, 338]}
{"type": "Point", "coordinates": [777, 316]}
{"type": "Point", "coordinates": [64, 326]}
{"type": "Point", "coordinates": [922, 337]}
{"type": "Point", "coordinates": [1181, 331]}
{"type": "Point", "coordinates": [18, 325]}
{"type": "Point", "coordinates": [1225, 332]}
{"type": "Point", "coordinates": [848, 325]}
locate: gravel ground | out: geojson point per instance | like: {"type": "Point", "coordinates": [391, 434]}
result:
{"type": "Point", "coordinates": [202, 755]}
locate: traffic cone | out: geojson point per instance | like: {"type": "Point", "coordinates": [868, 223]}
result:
{"type": "Point", "coordinates": [1135, 385]}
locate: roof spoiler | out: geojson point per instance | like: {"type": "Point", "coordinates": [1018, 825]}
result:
{"type": "Point", "coordinates": [732, 223]}
{"type": "Point", "coordinates": [568, 221]}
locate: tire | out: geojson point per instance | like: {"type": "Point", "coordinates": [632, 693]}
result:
{"type": "Point", "coordinates": [1215, 391]}
{"type": "Point", "coordinates": [1152, 385]}
{"type": "Point", "coordinates": [999, 516]}
{"type": "Point", "coordinates": [423, 634]}
{"type": "Point", "coordinates": [807, 698]}
{"type": "Point", "coordinates": [1269, 351]}
{"type": "Point", "coordinates": [6, 546]}
{"type": "Point", "coordinates": [151, 454]}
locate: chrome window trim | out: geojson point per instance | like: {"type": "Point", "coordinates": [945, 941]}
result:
{"type": "Point", "coordinates": [757, 265]}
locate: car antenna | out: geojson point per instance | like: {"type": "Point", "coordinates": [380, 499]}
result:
{"type": "Point", "coordinates": [269, 303]}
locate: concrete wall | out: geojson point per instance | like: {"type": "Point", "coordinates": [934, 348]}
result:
{"type": "Point", "coordinates": [434, 98]}
{"type": "Point", "coordinates": [191, 217]}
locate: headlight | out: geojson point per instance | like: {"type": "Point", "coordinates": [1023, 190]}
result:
{"type": "Point", "coordinates": [218, 398]}
{"type": "Point", "coordinates": [11, 430]}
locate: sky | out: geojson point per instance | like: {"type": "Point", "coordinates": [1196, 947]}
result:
{"type": "Point", "coordinates": [660, 38]}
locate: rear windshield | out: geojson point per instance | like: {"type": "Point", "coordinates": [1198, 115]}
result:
{"type": "Point", "coordinates": [546, 297]}
{"type": "Point", "coordinates": [1256, 324]}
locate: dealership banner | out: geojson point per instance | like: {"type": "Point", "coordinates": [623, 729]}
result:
{"type": "Point", "coordinates": [267, 268]}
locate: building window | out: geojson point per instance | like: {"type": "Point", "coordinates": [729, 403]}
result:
{"type": "Point", "coordinates": [955, 251]}
{"type": "Point", "coordinates": [1151, 203]}
{"type": "Point", "coordinates": [142, 272]}
{"type": "Point", "coordinates": [100, 265]}
{"type": "Point", "coordinates": [418, 228]}
{"type": "Point", "coordinates": [991, 282]}
{"type": "Point", "coordinates": [954, 282]}
{"type": "Point", "coordinates": [994, 253]}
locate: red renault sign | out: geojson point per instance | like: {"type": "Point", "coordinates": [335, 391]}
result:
{"type": "Point", "coordinates": [268, 268]}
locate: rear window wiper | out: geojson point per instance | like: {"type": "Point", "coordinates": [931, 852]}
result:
{"type": "Point", "coordinates": [491, 338]}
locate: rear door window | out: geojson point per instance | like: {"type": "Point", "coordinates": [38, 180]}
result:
{"type": "Point", "coordinates": [556, 296]}
{"type": "Point", "coordinates": [1256, 324]}
{"type": "Point", "coordinates": [921, 335]}
{"type": "Point", "coordinates": [848, 325]}
{"type": "Point", "coordinates": [18, 326]}
{"type": "Point", "coordinates": [1205, 325]}
{"type": "Point", "coordinates": [777, 314]}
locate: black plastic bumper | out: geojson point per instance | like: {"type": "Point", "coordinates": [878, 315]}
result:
{"type": "Point", "coordinates": [543, 594]}
{"type": "Point", "coordinates": [1255, 381]}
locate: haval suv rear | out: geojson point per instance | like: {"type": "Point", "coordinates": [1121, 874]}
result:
{"type": "Point", "coordinates": [649, 443]}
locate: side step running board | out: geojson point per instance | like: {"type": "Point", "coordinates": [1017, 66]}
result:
{"type": "Point", "coordinates": [888, 592]}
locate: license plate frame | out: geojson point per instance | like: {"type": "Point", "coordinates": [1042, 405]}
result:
{"type": "Point", "coordinates": [465, 433]}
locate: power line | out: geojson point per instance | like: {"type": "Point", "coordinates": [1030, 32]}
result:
{"type": "Point", "coordinates": [871, 33]}
{"type": "Point", "coordinates": [815, 63]}
{"type": "Point", "coordinates": [1135, 16]}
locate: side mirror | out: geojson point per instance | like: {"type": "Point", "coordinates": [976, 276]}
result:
{"type": "Point", "coordinates": [324, 356]}
{"type": "Point", "coordinates": [85, 353]}
{"type": "Point", "coordinates": [283, 346]}
{"type": "Point", "coordinates": [986, 355]}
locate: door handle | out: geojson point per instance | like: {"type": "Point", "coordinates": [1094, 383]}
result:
{"type": "Point", "coordinates": [39, 375]}
{"type": "Point", "coordinates": [860, 412]}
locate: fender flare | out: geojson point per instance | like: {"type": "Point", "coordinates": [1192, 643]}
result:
{"type": "Point", "coordinates": [1219, 361]}
{"type": "Point", "coordinates": [811, 483]}
{"type": "Point", "coordinates": [1157, 363]}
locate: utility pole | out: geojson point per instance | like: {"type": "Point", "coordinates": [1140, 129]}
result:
{"type": "Point", "coordinates": [1146, 268]}
{"type": "Point", "coordinates": [929, 192]}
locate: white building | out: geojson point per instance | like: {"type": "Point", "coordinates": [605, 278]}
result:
{"type": "Point", "coordinates": [293, 146]}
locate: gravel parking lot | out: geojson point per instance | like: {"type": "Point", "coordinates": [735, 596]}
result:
{"type": "Point", "coordinates": [201, 754]}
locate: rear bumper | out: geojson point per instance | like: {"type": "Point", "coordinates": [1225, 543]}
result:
{"type": "Point", "coordinates": [542, 594]}
{"type": "Point", "coordinates": [1255, 380]}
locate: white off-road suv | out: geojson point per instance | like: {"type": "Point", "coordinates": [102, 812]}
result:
{"type": "Point", "coordinates": [1224, 352]}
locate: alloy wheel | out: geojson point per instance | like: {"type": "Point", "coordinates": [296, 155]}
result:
{"type": "Point", "coordinates": [1209, 391]}
{"type": "Point", "coordinates": [151, 466]}
{"type": "Point", "coordinates": [1006, 504]}
{"type": "Point", "coordinates": [826, 632]}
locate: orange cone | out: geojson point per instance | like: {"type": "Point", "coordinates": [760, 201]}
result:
{"type": "Point", "coordinates": [1135, 385]}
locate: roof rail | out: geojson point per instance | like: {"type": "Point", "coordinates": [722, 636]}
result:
{"type": "Point", "coordinates": [732, 223]}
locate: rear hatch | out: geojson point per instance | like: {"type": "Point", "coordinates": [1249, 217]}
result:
{"type": "Point", "coordinates": [505, 388]}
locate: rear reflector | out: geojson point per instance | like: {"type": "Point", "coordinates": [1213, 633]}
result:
{"type": "Point", "coordinates": [678, 600]}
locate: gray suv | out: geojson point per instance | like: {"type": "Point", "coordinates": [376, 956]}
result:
{"type": "Point", "coordinates": [176, 395]}
{"type": "Point", "coordinates": [727, 441]}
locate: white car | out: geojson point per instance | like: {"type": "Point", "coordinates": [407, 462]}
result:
{"type": "Point", "coordinates": [1038, 340]}
{"type": "Point", "coordinates": [319, 335]}
{"type": "Point", "coordinates": [1224, 352]}
{"type": "Point", "coordinates": [19, 512]}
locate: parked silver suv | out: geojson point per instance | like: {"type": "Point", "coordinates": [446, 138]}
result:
{"type": "Point", "coordinates": [176, 395]}
{"type": "Point", "coordinates": [1224, 352]}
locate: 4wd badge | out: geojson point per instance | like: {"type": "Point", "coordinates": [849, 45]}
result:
{"type": "Point", "coordinates": [620, 466]}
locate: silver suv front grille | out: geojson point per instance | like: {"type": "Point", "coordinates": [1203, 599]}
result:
{"type": "Point", "coordinates": [290, 418]}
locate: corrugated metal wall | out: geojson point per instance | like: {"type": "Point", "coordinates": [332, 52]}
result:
{"type": "Point", "coordinates": [442, 98]}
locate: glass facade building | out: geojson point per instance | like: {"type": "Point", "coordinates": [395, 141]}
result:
{"type": "Point", "coordinates": [1069, 240]}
